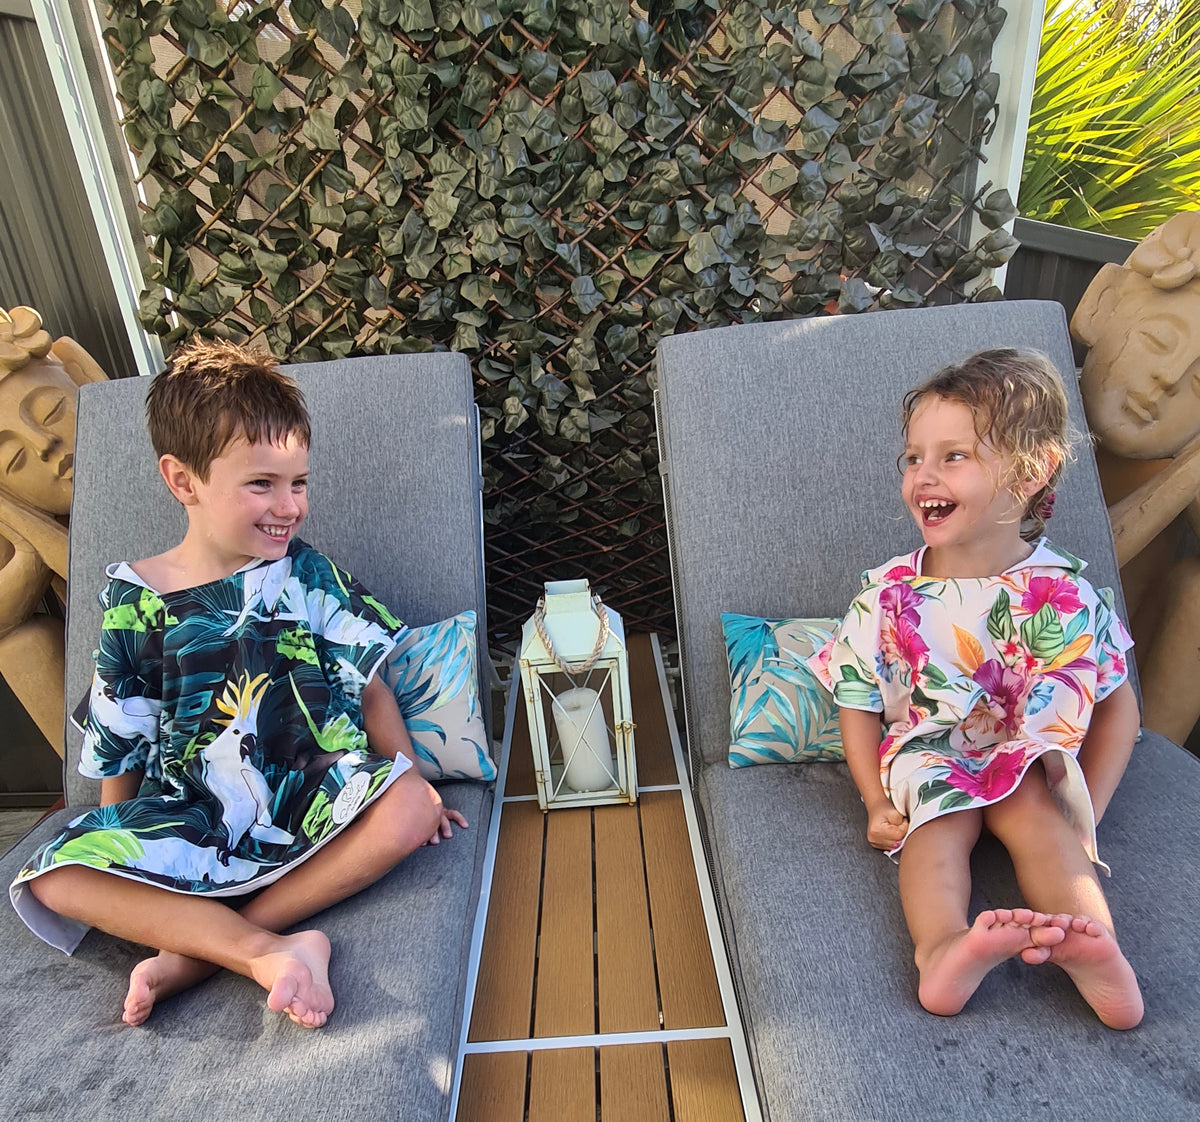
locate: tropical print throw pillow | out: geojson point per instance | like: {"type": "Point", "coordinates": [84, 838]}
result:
{"type": "Point", "coordinates": [778, 711]}
{"type": "Point", "coordinates": [434, 673]}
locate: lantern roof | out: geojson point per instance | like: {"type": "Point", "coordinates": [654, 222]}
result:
{"type": "Point", "coordinates": [572, 624]}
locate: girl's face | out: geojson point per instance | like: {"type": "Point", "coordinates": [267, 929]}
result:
{"type": "Point", "coordinates": [958, 489]}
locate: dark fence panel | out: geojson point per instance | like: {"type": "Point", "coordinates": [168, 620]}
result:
{"type": "Point", "coordinates": [1058, 263]}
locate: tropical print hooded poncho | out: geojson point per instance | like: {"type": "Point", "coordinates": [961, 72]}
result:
{"type": "Point", "coordinates": [240, 701]}
{"type": "Point", "coordinates": [977, 678]}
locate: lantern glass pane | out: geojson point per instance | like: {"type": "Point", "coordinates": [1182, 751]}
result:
{"type": "Point", "coordinates": [579, 730]}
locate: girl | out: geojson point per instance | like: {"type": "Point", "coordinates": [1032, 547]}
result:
{"type": "Point", "coordinates": [981, 682]}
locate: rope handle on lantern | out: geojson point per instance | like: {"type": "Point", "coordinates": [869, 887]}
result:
{"type": "Point", "coordinates": [583, 665]}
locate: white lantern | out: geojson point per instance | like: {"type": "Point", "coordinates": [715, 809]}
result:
{"type": "Point", "coordinates": [575, 673]}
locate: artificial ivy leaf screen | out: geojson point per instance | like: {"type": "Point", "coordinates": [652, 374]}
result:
{"type": "Point", "coordinates": [551, 186]}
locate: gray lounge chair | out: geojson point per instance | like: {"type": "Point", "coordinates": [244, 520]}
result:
{"type": "Point", "coordinates": [779, 446]}
{"type": "Point", "coordinates": [395, 491]}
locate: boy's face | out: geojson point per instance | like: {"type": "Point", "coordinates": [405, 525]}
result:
{"type": "Point", "coordinates": [254, 500]}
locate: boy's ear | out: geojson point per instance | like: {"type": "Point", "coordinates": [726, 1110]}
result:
{"type": "Point", "coordinates": [179, 478]}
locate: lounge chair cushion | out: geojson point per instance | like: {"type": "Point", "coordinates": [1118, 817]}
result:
{"type": "Point", "coordinates": [779, 713]}
{"type": "Point", "coordinates": [398, 971]}
{"type": "Point", "coordinates": [434, 673]}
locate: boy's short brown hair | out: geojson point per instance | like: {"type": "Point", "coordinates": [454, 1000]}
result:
{"type": "Point", "coordinates": [213, 392]}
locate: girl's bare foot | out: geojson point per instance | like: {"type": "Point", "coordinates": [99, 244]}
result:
{"type": "Point", "coordinates": [1090, 956]}
{"type": "Point", "coordinates": [951, 972]}
{"type": "Point", "coordinates": [160, 977]}
{"type": "Point", "coordinates": [296, 978]}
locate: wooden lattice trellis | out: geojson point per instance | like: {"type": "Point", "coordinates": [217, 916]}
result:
{"type": "Point", "coordinates": [551, 186]}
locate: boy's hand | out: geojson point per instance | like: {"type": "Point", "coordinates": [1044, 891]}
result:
{"type": "Point", "coordinates": [443, 830]}
{"type": "Point", "coordinates": [886, 826]}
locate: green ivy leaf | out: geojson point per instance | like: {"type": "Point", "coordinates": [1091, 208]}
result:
{"type": "Point", "coordinates": [318, 130]}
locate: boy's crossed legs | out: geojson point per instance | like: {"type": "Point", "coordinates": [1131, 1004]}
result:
{"type": "Point", "coordinates": [198, 935]}
{"type": "Point", "coordinates": [1054, 875]}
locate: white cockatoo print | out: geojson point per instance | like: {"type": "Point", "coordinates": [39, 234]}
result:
{"type": "Point", "coordinates": [228, 773]}
{"type": "Point", "coordinates": [130, 718]}
{"type": "Point", "coordinates": [262, 590]}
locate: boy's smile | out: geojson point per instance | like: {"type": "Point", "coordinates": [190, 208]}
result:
{"type": "Point", "coordinates": [253, 502]}
{"type": "Point", "coordinates": [956, 488]}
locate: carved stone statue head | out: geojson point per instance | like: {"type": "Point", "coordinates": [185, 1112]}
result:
{"type": "Point", "coordinates": [37, 415]}
{"type": "Point", "coordinates": [1141, 378]}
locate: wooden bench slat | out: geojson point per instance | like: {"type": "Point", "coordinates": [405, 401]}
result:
{"type": "Point", "coordinates": [493, 1087]}
{"type": "Point", "coordinates": [704, 1081]}
{"type": "Point", "coordinates": [565, 998]}
{"type": "Point", "coordinates": [504, 991]}
{"type": "Point", "coordinates": [652, 736]}
{"type": "Point", "coordinates": [562, 1085]}
{"type": "Point", "coordinates": [625, 959]}
{"type": "Point", "coordinates": [687, 981]}
{"type": "Point", "coordinates": [633, 1083]}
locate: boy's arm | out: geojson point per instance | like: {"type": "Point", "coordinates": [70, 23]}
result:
{"type": "Point", "coordinates": [386, 732]}
{"type": "Point", "coordinates": [120, 787]}
{"type": "Point", "coordinates": [388, 736]}
{"type": "Point", "coordinates": [1108, 744]}
{"type": "Point", "coordinates": [861, 733]}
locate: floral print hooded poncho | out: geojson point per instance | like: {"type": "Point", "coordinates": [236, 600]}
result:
{"type": "Point", "coordinates": [976, 678]}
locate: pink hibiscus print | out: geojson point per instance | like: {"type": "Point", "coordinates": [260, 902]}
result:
{"type": "Point", "coordinates": [994, 780]}
{"type": "Point", "coordinates": [1058, 592]}
{"type": "Point", "coordinates": [902, 644]}
{"type": "Point", "coordinates": [901, 603]}
{"type": "Point", "coordinates": [1004, 693]}
{"type": "Point", "coordinates": [900, 572]}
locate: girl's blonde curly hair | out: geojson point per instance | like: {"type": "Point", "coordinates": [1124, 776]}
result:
{"type": "Point", "coordinates": [1016, 398]}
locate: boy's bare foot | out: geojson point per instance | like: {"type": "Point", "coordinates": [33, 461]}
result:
{"type": "Point", "coordinates": [296, 978]}
{"type": "Point", "coordinates": [1090, 956]}
{"type": "Point", "coordinates": [160, 977]}
{"type": "Point", "coordinates": [952, 971]}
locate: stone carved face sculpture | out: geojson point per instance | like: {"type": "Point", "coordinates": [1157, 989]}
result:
{"type": "Point", "coordinates": [1141, 378]}
{"type": "Point", "coordinates": [37, 415]}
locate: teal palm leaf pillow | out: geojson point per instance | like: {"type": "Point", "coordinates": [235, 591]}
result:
{"type": "Point", "coordinates": [434, 674]}
{"type": "Point", "coordinates": [778, 712]}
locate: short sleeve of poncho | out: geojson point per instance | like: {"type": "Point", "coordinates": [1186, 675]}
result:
{"type": "Point", "coordinates": [121, 728]}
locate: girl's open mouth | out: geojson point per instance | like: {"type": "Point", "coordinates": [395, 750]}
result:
{"type": "Point", "coordinates": [934, 511]}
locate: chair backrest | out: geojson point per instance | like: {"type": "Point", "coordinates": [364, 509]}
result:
{"type": "Point", "coordinates": [779, 444]}
{"type": "Point", "coordinates": [395, 490]}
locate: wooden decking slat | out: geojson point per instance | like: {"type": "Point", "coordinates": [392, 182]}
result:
{"type": "Point", "coordinates": [624, 958]}
{"type": "Point", "coordinates": [652, 737]}
{"type": "Point", "coordinates": [504, 992]}
{"type": "Point", "coordinates": [687, 981]}
{"type": "Point", "coordinates": [704, 1081]}
{"type": "Point", "coordinates": [565, 998]}
{"type": "Point", "coordinates": [633, 1084]}
{"type": "Point", "coordinates": [519, 780]}
{"type": "Point", "coordinates": [493, 1087]}
{"type": "Point", "coordinates": [562, 1085]}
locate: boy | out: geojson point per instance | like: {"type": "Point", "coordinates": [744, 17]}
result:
{"type": "Point", "coordinates": [234, 700]}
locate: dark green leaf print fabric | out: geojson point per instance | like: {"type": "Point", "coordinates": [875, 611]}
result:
{"type": "Point", "coordinates": [240, 700]}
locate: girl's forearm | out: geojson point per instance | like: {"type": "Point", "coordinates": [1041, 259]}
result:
{"type": "Point", "coordinates": [861, 734]}
{"type": "Point", "coordinates": [1108, 745]}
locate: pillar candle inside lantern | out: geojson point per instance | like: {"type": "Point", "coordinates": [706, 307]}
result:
{"type": "Point", "coordinates": [583, 735]}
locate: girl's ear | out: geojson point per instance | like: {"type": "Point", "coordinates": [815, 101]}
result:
{"type": "Point", "coordinates": [1044, 472]}
{"type": "Point", "coordinates": [179, 478]}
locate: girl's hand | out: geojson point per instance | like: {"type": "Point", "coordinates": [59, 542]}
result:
{"type": "Point", "coordinates": [886, 826]}
{"type": "Point", "coordinates": [443, 830]}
